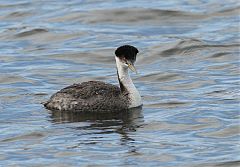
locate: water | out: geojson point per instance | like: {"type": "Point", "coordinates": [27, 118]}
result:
{"type": "Point", "coordinates": [188, 78]}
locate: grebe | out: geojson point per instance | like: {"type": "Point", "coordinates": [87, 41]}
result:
{"type": "Point", "coordinates": [97, 96]}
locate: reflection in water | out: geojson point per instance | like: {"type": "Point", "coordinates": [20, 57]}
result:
{"type": "Point", "coordinates": [126, 117]}
{"type": "Point", "coordinates": [121, 123]}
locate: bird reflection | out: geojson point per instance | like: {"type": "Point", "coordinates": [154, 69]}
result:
{"type": "Point", "coordinates": [127, 117]}
{"type": "Point", "coordinates": [121, 123]}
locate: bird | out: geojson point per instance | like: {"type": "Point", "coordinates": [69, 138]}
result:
{"type": "Point", "coordinates": [98, 96]}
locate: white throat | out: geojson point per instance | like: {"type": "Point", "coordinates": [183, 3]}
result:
{"type": "Point", "coordinates": [125, 79]}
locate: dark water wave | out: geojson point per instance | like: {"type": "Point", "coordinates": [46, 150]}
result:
{"type": "Point", "coordinates": [130, 16]}
{"type": "Point", "coordinates": [31, 32]}
{"type": "Point", "coordinates": [140, 15]}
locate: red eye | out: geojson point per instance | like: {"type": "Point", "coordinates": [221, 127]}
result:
{"type": "Point", "coordinates": [123, 58]}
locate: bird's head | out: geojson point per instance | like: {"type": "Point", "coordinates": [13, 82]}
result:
{"type": "Point", "coordinates": [126, 55]}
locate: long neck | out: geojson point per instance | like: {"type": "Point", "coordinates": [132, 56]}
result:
{"type": "Point", "coordinates": [126, 84]}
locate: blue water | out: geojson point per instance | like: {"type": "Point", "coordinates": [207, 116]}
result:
{"type": "Point", "coordinates": [188, 78]}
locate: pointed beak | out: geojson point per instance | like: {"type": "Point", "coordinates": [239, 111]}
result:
{"type": "Point", "coordinates": [131, 67]}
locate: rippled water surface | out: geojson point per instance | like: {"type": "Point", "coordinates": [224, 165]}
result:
{"type": "Point", "coordinates": [188, 78]}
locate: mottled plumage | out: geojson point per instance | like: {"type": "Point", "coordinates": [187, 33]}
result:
{"type": "Point", "coordinates": [100, 97]}
{"type": "Point", "coordinates": [89, 96]}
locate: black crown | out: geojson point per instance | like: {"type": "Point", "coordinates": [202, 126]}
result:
{"type": "Point", "coordinates": [127, 51]}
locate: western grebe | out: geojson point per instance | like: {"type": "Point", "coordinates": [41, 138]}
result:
{"type": "Point", "coordinates": [97, 96]}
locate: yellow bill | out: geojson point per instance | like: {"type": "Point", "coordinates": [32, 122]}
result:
{"type": "Point", "coordinates": [131, 67]}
